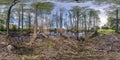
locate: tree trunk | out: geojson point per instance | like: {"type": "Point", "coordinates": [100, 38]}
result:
{"type": "Point", "coordinates": [22, 18]}
{"type": "Point", "coordinates": [77, 24]}
{"type": "Point", "coordinates": [19, 20]}
{"type": "Point", "coordinates": [61, 24]}
{"type": "Point", "coordinates": [85, 25]}
{"type": "Point", "coordinates": [71, 21]}
{"type": "Point", "coordinates": [35, 23]}
{"type": "Point", "coordinates": [29, 19]}
{"type": "Point", "coordinates": [57, 23]}
{"type": "Point", "coordinates": [8, 17]}
{"type": "Point", "coordinates": [82, 24]}
{"type": "Point", "coordinates": [117, 22]}
{"type": "Point", "coordinates": [90, 16]}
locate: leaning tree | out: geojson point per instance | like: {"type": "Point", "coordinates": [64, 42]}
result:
{"type": "Point", "coordinates": [8, 15]}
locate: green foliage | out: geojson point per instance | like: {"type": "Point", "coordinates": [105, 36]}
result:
{"type": "Point", "coordinates": [13, 27]}
{"type": "Point", "coordinates": [111, 22]}
{"type": "Point", "coordinates": [94, 28]}
{"type": "Point", "coordinates": [76, 9]}
{"type": "Point", "coordinates": [116, 1]}
{"type": "Point", "coordinates": [2, 28]}
{"type": "Point", "coordinates": [6, 2]}
{"type": "Point", "coordinates": [113, 19]}
{"type": "Point", "coordinates": [107, 1]}
{"type": "Point", "coordinates": [2, 23]}
{"type": "Point", "coordinates": [44, 6]}
{"type": "Point", "coordinates": [94, 13]}
{"type": "Point", "coordinates": [74, 29]}
{"type": "Point", "coordinates": [106, 31]}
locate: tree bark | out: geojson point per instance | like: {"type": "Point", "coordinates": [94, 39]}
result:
{"type": "Point", "coordinates": [61, 23]}
{"type": "Point", "coordinates": [29, 21]}
{"type": "Point", "coordinates": [90, 17]}
{"type": "Point", "coordinates": [57, 22]}
{"type": "Point", "coordinates": [22, 18]}
{"type": "Point", "coordinates": [117, 21]}
{"type": "Point", "coordinates": [77, 24]}
{"type": "Point", "coordinates": [85, 25]}
{"type": "Point", "coordinates": [35, 23]}
{"type": "Point", "coordinates": [70, 15]}
{"type": "Point", "coordinates": [19, 21]}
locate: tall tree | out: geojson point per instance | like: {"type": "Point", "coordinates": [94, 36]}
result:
{"type": "Point", "coordinates": [78, 24]}
{"type": "Point", "coordinates": [8, 16]}
{"type": "Point", "coordinates": [117, 21]}
{"type": "Point", "coordinates": [29, 21]}
{"type": "Point", "coordinates": [84, 15]}
{"type": "Point", "coordinates": [45, 6]}
{"type": "Point", "coordinates": [19, 19]}
{"type": "Point", "coordinates": [18, 14]}
{"type": "Point", "coordinates": [22, 19]}
{"type": "Point", "coordinates": [35, 21]}
{"type": "Point", "coordinates": [61, 21]}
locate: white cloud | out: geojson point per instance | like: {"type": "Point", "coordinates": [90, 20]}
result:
{"type": "Point", "coordinates": [102, 14]}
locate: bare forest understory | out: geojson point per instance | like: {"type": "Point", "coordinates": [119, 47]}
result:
{"type": "Point", "coordinates": [102, 47]}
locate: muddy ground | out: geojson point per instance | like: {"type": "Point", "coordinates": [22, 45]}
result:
{"type": "Point", "coordinates": [102, 47]}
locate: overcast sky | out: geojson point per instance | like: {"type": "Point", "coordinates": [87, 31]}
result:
{"type": "Point", "coordinates": [90, 4]}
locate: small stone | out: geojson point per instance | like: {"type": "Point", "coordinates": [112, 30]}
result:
{"type": "Point", "coordinates": [3, 43]}
{"type": "Point", "coordinates": [10, 48]}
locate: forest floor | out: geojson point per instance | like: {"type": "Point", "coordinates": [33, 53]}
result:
{"type": "Point", "coordinates": [102, 47]}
